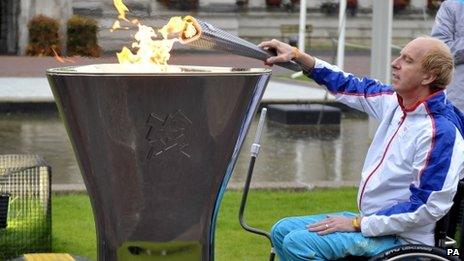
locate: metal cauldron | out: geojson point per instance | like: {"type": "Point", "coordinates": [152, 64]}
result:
{"type": "Point", "coordinates": [156, 151]}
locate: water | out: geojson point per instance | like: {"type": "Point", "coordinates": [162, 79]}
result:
{"type": "Point", "coordinates": [308, 155]}
{"type": "Point", "coordinates": [304, 155]}
{"type": "Point", "coordinates": [42, 134]}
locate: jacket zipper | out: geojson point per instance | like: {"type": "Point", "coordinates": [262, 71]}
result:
{"type": "Point", "coordinates": [381, 160]}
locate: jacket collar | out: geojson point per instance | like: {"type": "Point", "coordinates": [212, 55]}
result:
{"type": "Point", "coordinates": [434, 103]}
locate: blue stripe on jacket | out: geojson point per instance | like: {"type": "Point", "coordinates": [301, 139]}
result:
{"type": "Point", "coordinates": [338, 82]}
{"type": "Point", "coordinates": [434, 175]}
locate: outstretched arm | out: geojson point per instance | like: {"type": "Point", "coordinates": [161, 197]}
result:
{"type": "Point", "coordinates": [364, 94]}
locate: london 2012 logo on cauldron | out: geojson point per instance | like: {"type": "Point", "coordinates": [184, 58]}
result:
{"type": "Point", "coordinates": [167, 134]}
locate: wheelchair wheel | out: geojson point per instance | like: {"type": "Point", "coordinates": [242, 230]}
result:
{"type": "Point", "coordinates": [415, 252]}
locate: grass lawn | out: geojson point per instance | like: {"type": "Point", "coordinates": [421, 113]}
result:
{"type": "Point", "coordinates": [74, 230]}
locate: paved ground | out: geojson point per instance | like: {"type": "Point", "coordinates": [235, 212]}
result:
{"type": "Point", "coordinates": [23, 66]}
{"type": "Point", "coordinates": [25, 89]}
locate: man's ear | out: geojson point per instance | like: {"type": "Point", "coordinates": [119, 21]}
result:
{"type": "Point", "coordinates": [428, 78]}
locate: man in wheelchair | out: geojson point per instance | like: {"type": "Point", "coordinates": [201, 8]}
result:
{"type": "Point", "coordinates": [413, 165]}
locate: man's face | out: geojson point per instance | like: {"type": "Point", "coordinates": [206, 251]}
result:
{"type": "Point", "coordinates": [407, 73]}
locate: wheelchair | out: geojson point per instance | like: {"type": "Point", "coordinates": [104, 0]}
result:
{"type": "Point", "coordinates": [446, 247]}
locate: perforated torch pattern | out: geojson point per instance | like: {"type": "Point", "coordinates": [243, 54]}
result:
{"type": "Point", "coordinates": [217, 39]}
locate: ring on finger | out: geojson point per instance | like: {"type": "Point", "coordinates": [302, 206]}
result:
{"type": "Point", "coordinates": [326, 226]}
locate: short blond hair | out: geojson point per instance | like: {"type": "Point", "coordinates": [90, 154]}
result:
{"type": "Point", "coordinates": [439, 61]}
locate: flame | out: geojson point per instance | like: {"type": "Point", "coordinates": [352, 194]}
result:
{"type": "Point", "coordinates": [122, 9]}
{"type": "Point", "coordinates": [116, 25]}
{"type": "Point", "coordinates": [175, 25]}
{"type": "Point", "coordinates": [62, 59]}
{"type": "Point", "coordinates": [57, 57]}
{"type": "Point", "coordinates": [149, 49]}
{"type": "Point", "coordinates": [190, 30]}
{"type": "Point", "coordinates": [126, 56]}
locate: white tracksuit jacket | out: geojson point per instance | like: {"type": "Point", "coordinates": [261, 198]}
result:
{"type": "Point", "coordinates": [416, 158]}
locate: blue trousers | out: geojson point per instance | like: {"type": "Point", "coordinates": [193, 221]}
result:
{"type": "Point", "coordinates": [293, 241]}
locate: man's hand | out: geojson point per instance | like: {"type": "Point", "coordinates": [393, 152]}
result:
{"type": "Point", "coordinates": [332, 224]}
{"type": "Point", "coordinates": [284, 51]}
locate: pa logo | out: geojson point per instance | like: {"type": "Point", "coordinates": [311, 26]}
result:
{"type": "Point", "coordinates": [452, 252]}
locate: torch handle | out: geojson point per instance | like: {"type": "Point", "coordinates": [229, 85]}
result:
{"type": "Point", "coordinates": [211, 37]}
{"type": "Point", "coordinates": [291, 65]}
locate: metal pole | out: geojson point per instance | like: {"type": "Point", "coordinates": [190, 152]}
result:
{"type": "Point", "coordinates": [382, 17]}
{"type": "Point", "coordinates": [302, 28]}
{"type": "Point", "coordinates": [301, 33]}
{"type": "Point", "coordinates": [341, 34]}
